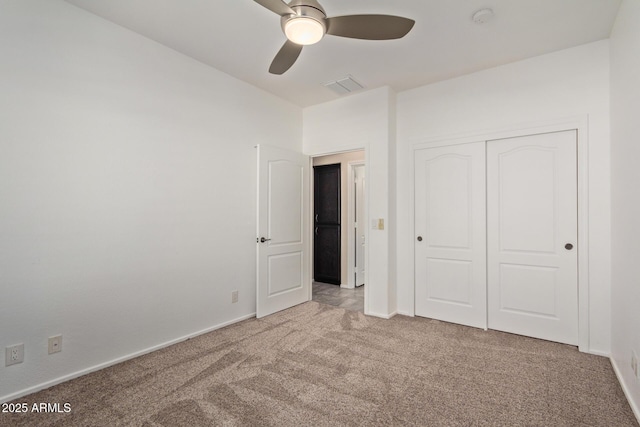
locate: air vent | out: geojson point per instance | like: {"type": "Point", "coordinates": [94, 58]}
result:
{"type": "Point", "coordinates": [344, 85]}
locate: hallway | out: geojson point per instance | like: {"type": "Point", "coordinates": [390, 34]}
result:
{"type": "Point", "coordinates": [350, 299]}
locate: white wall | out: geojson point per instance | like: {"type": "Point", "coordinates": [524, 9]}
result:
{"type": "Point", "coordinates": [362, 120]}
{"type": "Point", "coordinates": [573, 82]}
{"type": "Point", "coordinates": [118, 226]}
{"type": "Point", "coordinates": [625, 176]}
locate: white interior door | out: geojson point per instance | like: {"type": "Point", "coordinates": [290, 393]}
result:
{"type": "Point", "coordinates": [450, 233]}
{"type": "Point", "coordinates": [359, 224]}
{"type": "Point", "coordinates": [283, 278]}
{"type": "Point", "coordinates": [532, 236]}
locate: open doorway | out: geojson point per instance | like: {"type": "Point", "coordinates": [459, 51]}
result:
{"type": "Point", "coordinates": [339, 237]}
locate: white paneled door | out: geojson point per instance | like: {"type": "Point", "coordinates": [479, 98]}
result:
{"type": "Point", "coordinates": [283, 278]}
{"type": "Point", "coordinates": [532, 236]}
{"type": "Point", "coordinates": [450, 234]}
{"type": "Point", "coordinates": [496, 235]}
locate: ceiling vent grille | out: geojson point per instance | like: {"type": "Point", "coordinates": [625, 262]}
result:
{"type": "Point", "coordinates": [344, 85]}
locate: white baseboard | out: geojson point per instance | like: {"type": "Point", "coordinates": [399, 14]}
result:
{"type": "Point", "coordinates": [347, 286]}
{"type": "Point", "coordinates": [599, 353]}
{"type": "Point", "coordinates": [405, 313]}
{"type": "Point", "coordinates": [625, 389]}
{"type": "Point", "coordinates": [382, 316]}
{"type": "Point", "coordinates": [95, 368]}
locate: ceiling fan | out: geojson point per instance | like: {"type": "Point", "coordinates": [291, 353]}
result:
{"type": "Point", "coordinates": [305, 22]}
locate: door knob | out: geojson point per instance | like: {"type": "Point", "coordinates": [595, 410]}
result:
{"type": "Point", "coordinates": [262, 240]}
{"type": "Point", "coordinates": [568, 246]}
{"type": "Point", "coordinates": [419, 238]}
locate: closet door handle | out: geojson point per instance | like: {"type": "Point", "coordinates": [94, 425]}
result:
{"type": "Point", "coordinates": [316, 217]}
{"type": "Point", "coordinates": [568, 246]}
{"type": "Point", "coordinates": [419, 238]}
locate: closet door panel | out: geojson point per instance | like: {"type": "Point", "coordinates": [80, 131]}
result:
{"type": "Point", "coordinates": [450, 244]}
{"type": "Point", "coordinates": [532, 236]}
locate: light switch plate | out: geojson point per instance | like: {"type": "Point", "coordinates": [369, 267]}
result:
{"type": "Point", "coordinates": [377, 224]}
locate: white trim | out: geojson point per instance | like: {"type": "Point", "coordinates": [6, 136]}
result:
{"type": "Point", "coordinates": [351, 237]}
{"type": "Point", "coordinates": [382, 316]}
{"type": "Point", "coordinates": [599, 353]}
{"type": "Point", "coordinates": [100, 366]}
{"type": "Point", "coordinates": [578, 123]}
{"type": "Point", "coordinates": [583, 236]}
{"type": "Point", "coordinates": [312, 227]}
{"type": "Point", "coordinates": [351, 283]}
{"type": "Point", "coordinates": [531, 128]}
{"type": "Point", "coordinates": [625, 389]}
{"type": "Point", "coordinates": [412, 224]}
{"type": "Point", "coordinates": [367, 198]}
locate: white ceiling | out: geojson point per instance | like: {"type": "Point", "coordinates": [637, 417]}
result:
{"type": "Point", "coordinates": [240, 38]}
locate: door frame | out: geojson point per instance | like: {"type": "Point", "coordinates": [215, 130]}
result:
{"type": "Point", "coordinates": [580, 125]}
{"type": "Point", "coordinates": [351, 239]}
{"type": "Point", "coordinates": [366, 214]}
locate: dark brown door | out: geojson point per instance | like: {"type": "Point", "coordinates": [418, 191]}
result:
{"type": "Point", "coordinates": [326, 239]}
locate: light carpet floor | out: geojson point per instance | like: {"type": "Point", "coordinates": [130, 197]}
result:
{"type": "Point", "coordinates": [316, 365]}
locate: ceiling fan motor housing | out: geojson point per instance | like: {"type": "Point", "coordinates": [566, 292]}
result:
{"type": "Point", "coordinates": [309, 3]}
{"type": "Point", "coordinates": [309, 9]}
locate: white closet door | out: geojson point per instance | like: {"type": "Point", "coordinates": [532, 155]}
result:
{"type": "Point", "coordinates": [532, 236]}
{"type": "Point", "coordinates": [450, 239]}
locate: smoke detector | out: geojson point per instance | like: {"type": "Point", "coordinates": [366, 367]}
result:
{"type": "Point", "coordinates": [482, 16]}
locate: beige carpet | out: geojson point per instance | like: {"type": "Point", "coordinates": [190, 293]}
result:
{"type": "Point", "coordinates": [318, 365]}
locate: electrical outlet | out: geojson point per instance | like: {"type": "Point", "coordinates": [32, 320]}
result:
{"type": "Point", "coordinates": [234, 297]}
{"type": "Point", "coordinates": [55, 344]}
{"type": "Point", "coordinates": [14, 354]}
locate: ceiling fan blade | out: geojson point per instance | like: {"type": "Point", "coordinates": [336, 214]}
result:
{"type": "Point", "coordinates": [285, 58]}
{"type": "Point", "coordinates": [369, 27]}
{"type": "Point", "coordinates": [276, 6]}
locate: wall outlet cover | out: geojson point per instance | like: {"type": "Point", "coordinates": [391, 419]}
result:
{"type": "Point", "coordinates": [55, 344]}
{"type": "Point", "coordinates": [14, 354]}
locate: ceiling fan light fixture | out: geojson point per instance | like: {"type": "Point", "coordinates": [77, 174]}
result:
{"type": "Point", "coordinates": [304, 31]}
{"type": "Point", "coordinates": [305, 22]}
